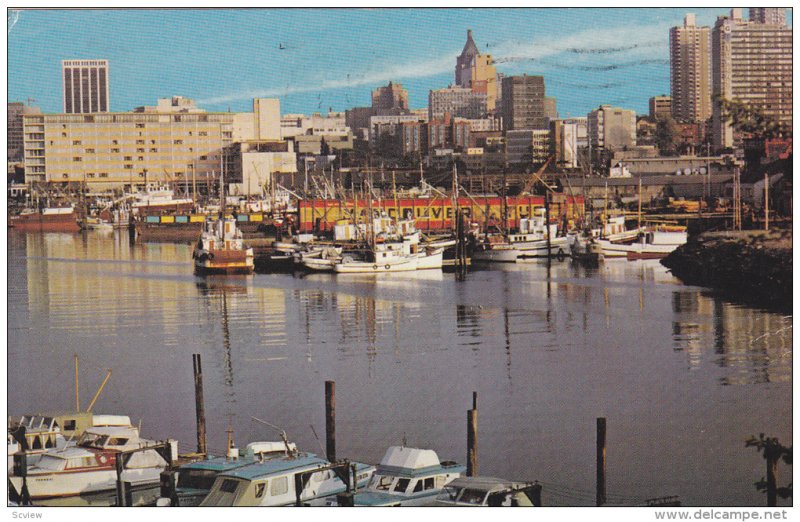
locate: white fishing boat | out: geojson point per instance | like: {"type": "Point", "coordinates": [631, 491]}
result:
{"type": "Point", "coordinates": [407, 477]}
{"type": "Point", "coordinates": [221, 249]}
{"type": "Point", "coordinates": [318, 258]}
{"type": "Point", "coordinates": [90, 466]}
{"type": "Point", "coordinates": [158, 200]}
{"type": "Point", "coordinates": [284, 481]}
{"type": "Point", "coordinates": [585, 248]}
{"type": "Point", "coordinates": [649, 244]}
{"type": "Point", "coordinates": [531, 241]}
{"type": "Point", "coordinates": [489, 491]}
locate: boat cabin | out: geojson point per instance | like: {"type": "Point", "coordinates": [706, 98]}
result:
{"type": "Point", "coordinates": [489, 491]}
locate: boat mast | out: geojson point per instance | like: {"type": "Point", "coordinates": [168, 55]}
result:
{"type": "Point", "coordinates": [96, 395]}
{"type": "Point", "coordinates": [77, 398]}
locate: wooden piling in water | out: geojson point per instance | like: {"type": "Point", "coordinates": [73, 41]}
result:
{"type": "Point", "coordinates": [472, 437]}
{"type": "Point", "coordinates": [330, 420]}
{"type": "Point", "coordinates": [601, 461]}
{"type": "Point", "coordinates": [199, 405]}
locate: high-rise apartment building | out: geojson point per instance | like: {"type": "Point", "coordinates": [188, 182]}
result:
{"type": "Point", "coordinates": [524, 102]}
{"type": "Point", "coordinates": [690, 71]}
{"type": "Point", "coordinates": [16, 110]}
{"type": "Point", "coordinates": [85, 86]}
{"type": "Point", "coordinates": [458, 102]}
{"type": "Point", "coordinates": [752, 64]}
{"type": "Point", "coordinates": [611, 128]}
{"type": "Point", "coordinates": [390, 99]}
{"type": "Point", "coordinates": [476, 71]}
{"type": "Point", "coordinates": [768, 15]}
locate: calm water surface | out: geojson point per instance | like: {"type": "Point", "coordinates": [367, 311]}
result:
{"type": "Point", "coordinates": [682, 376]}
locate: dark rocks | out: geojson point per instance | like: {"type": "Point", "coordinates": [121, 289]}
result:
{"type": "Point", "coordinates": [754, 266]}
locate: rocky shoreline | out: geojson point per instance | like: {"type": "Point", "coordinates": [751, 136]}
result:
{"type": "Point", "coordinates": [754, 266]}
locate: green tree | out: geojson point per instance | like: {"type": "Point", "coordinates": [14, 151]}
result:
{"type": "Point", "coordinates": [747, 119]}
{"type": "Point", "coordinates": [668, 135]}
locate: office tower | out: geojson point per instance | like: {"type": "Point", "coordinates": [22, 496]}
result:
{"type": "Point", "coordinates": [458, 102]}
{"type": "Point", "coordinates": [390, 99]}
{"type": "Point", "coordinates": [611, 128]}
{"type": "Point", "coordinates": [690, 71]}
{"type": "Point", "coordinates": [524, 102]}
{"type": "Point", "coordinates": [85, 86]}
{"type": "Point", "coordinates": [476, 71]}
{"type": "Point", "coordinates": [752, 64]}
{"type": "Point", "coordinates": [660, 107]}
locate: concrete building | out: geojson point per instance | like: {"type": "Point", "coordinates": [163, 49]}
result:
{"type": "Point", "coordinates": [660, 107]}
{"type": "Point", "coordinates": [550, 108]}
{"type": "Point", "coordinates": [690, 71]}
{"type": "Point", "coordinates": [252, 165]}
{"type": "Point", "coordinates": [524, 102]}
{"type": "Point", "coordinates": [414, 137]}
{"type": "Point", "coordinates": [15, 144]}
{"type": "Point", "coordinates": [569, 138]}
{"type": "Point", "coordinates": [382, 124]}
{"type": "Point", "coordinates": [768, 15]}
{"type": "Point", "coordinates": [458, 102]}
{"type": "Point", "coordinates": [331, 124]}
{"type": "Point", "coordinates": [752, 64]}
{"type": "Point", "coordinates": [390, 99]}
{"type": "Point", "coordinates": [527, 146]}
{"type": "Point", "coordinates": [611, 128]}
{"type": "Point", "coordinates": [85, 86]}
{"type": "Point", "coordinates": [115, 150]}
{"type": "Point", "coordinates": [174, 105]}
{"type": "Point", "coordinates": [476, 71]}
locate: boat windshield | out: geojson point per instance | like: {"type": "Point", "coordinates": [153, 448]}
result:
{"type": "Point", "coordinates": [92, 439]}
{"type": "Point", "coordinates": [472, 496]}
{"type": "Point", "coordinates": [52, 463]}
{"type": "Point", "coordinates": [381, 482]}
{"type": "Point", "coordinates": [196, 478]}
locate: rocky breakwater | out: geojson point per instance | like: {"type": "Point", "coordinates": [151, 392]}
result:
{"type": "Point", "coordinates": [754, 265]}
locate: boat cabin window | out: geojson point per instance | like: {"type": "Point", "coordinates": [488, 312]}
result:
{"type": "Point", "coordinates": [472, 496]}
{"type": "Point", "coordinates": [418, 485]}
{"type": "Point", "coordinates": [402, 485]}
{"type": "Point", "coordinates": [260, 487]}
{"type": "Point", "coordinates": [51, 462]}
{"type": "Point", "coordinates": [117, 441]}
{"type": "Point", "coordinates": [196, 478]}
{"type": "Point", "coordinates": [228, 486]}
{"type": "Point", "coordinates": [451, 493]}
{"type": "Point", "coordinates": [70, 424]}
{"type": "Point", "coordinates": [429, 483]}
{"type": "Point", "coordinates": [280, 486]}
{"type": "Point", "coordinates": [92, 439]}
{"type": "Point", "coordinates": [35, 442]}
{"type": "Point", "coordinates": [382, 482]}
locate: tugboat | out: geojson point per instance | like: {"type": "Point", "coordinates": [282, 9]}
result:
{"type": "Point", "coordinates": [221, 249]}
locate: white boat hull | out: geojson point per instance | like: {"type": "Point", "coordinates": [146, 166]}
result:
{"type": "Point", "coordinates": [364, 267]}
{"type": "Point", "coordinates": [66, 484]}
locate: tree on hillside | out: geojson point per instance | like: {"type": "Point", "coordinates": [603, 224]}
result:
{"type": "Point", "coordinates": [668, 136]}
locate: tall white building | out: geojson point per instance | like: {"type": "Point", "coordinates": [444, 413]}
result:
{"type": "Point", "coordinates": [85, 86]}
{"type": "Point", "coordinates": [611, 128]}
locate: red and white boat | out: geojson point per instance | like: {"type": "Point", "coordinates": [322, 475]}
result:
{"type": "Point", "coordinates": [50, 219]}
{"type": "Point", "coordinates": [90, 466]}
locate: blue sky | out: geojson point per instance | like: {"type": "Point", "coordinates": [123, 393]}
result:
{"type": "Point", "coordinates": [334, 57]}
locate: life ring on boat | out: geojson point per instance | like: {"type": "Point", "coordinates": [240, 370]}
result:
{"type": "Point", "coordinates": [374, 267]}
{"type": "Point", "coordinates": [386, 267]}
{"type": "Point", "coordinates": [102, 459]}
{"type": "Point", "coordinates": [560, 254]}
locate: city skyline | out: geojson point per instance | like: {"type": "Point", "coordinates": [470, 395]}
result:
{"type": "Point", "coordinates": [320, 59]}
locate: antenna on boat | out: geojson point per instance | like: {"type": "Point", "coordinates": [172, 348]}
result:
{"type": "Point", "coordinates": [315, 436]}
{"type": "Point", "coordinates": [284, 438]}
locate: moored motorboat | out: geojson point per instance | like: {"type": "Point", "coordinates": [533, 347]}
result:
{"type": "Point", "coordinates": [489, 491]}
{"type": "Point", "coordinates": [221, 250]}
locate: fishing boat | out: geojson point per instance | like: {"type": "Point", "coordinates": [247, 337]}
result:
{"type": "Point", "coordinates": [193, 481]}
{"type": "Point", "coordinates": [48, 219]}
{"type": "Point", "coordinates": [383, 258]}
{"type": "Point", "coordinates": [536, 238]}
{"type": "Point", "coordinates": [98, 225]}
{"type": "Point", "coordinates": [586, 249]}
{"type": "Point", "coordinates": [221, 249]}
{"type": "Point", "coordinates": [489, 491]}
{"type": "Point", "coordinates": [159, 200]}
{"type": "Point", "coordinates": [408, 477]}
{"type": "Point", "coordinates": [89, 467]}
{"type": "Point", "coordinates": [318, 258]}
{"type": "Point", "coordinates": [301, 478]}
{"type": "Point", "coordinates": [649, 244]}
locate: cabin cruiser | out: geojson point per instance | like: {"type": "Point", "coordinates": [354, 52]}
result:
{"type": "Point", "coordinates": [300, 478]}
{"type": "Point", "coordinates": [531, 241]}
{"type": "Point", "coordinates": [90, 465]}
{"type": "Point", "coordinates": [407, 477]}
{"type": "Point", "coordinates": [193, 481]}
{"type": "Point", "coordinates": [651, 243]}
{"type": "Point", "coordinates": [489, 491]}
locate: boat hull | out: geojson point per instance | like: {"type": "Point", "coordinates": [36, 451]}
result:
{"type": "Point", "coordinates": [171, 232]}
{"type": "Point", "coordinates": [224, 262]}
{"type": "Point", "coordinates": [65, 484]}
{"type": "Point", "coordinates": [38, 222]}
{"type": "Point", "coordinates": [360, 267]}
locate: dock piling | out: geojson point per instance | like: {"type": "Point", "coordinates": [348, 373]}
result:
{"type": "Point", "coordinates": [199, 406]}
{"type": "Point", "coordinates": [601, 461]}
{"type": "Point", "coordinates": [330, 420]}
{"type": "Point", "coordinates": [472, 437]}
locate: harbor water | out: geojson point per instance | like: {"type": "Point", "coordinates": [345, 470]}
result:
{"type": "Point", "coordinates": [683, 377]}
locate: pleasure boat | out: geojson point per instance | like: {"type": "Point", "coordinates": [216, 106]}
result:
{"type": "Point", "coordinates": [192, 482]}
{"type": "Point", "coordinates": [407, 477]}
{"type": "Point", "coordinates": [89, 467]}
{"type": "Point", "coordinates": [221, 249]}
{"type": "Point", "coordinates": [489, 491]}
{"type": "Point", "coordinates": [299, 478]}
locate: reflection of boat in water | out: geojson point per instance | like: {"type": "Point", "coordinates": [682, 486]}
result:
{"type": "Point", "coordinates": [284, 481]}
{"type": "Point", "coordinates": [407, 477]}
{"type": "Point", "coordinates": [489, 491]}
